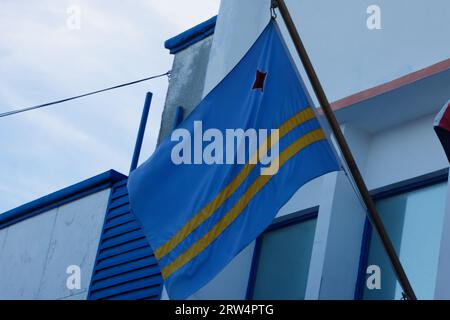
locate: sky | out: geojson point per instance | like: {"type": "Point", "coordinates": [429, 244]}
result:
{"type": "Point", "coordinates": [53, 49]}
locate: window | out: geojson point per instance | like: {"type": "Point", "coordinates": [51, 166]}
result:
{"type": "Point", "coordinates": [413, 221]}
{"type": "Point", "coordinates": [282, 256]}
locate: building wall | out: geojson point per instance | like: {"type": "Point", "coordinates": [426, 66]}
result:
{"type": "Point", "coordinates": [35, 253]}
{"type": "Point", "coordinates": [348, 57]}
{"type": "Point", "coordinates": [384, 157]}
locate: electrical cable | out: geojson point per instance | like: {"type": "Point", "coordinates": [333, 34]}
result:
{"type": "Point", "coordinates": [16, 111]}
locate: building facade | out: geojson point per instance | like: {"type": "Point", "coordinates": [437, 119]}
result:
{"type": "Point", "coordinates": [386, 85]}
{"type": "Point", "coordinates": [79, 243]}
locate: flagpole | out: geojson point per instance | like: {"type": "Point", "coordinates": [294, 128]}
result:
{"type": "Point", "coordinates": [352, 166]}
{"type": "Point", "coordinates": [141, 131]}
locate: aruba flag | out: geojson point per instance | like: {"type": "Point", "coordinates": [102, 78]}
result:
{"type": "Point", "coordinates": [199, 204]}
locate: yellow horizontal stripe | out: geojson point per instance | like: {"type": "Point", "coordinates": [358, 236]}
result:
{"type": "Point", "coordinates": [213, 205]}
{"type": "Point", "coordinates": [233, 213]}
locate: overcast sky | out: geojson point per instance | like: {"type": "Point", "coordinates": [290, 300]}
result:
{"type": "Point", "coordinates": [42, 59]}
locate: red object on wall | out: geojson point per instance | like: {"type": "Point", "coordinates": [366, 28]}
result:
{"type": "Point", "coordinates": [442, 128]}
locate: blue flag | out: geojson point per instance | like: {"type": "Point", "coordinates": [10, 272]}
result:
{"type": "Point", "coordinates": [212, 187]}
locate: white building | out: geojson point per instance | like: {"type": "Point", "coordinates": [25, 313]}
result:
{"type": "Point", "coordinates": [386, 85]}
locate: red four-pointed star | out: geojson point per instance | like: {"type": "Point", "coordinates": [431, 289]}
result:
{"type": "Point", "coordinates": [259, 81]}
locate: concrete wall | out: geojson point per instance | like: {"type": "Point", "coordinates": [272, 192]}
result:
{"type": "Point", "coordinates": [386, 157]}
{"type": "Point", "coordinates": [409, 150]}
{"type": "Point", "coordinates": [186, 83]}
{"type": "Point", "coordinates": [348, 57]}
{"type": "Point", "coordinates": [35, 253]}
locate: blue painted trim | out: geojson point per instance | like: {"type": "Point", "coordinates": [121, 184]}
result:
{"type": "Point", "coordinates": [56, 199]}
{"type": "Point", "coordinates": [294, 218]}
{"type": "Point", "coordinates": [365, 243]}
{"type": "Point", "coordinates": [278, 223]}
{"type": "Point", "coordinates": [253, 267]}
{"type": "Point", "coordinates": [191, 36]}
{"type": "Point", "coordinates": [410, 184]}
{"type": "Point", "coordinates": [383, 193]}
{"type": "Point", "coordinates": [141, 131]}
{"type": "Point", "coordinates": [179, 115]}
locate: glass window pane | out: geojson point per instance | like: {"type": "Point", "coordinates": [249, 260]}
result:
{"type": "Point", "coordinates": [414, 222]}
{"type": "Point", "coordinates": [283, 264]}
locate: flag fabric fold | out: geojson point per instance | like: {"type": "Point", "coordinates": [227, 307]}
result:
{"type": "Point", "coordinates": [202, 208]}
{"type": "Point", "coordinates": [442, 128]}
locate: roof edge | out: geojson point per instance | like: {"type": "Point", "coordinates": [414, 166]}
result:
{"type": "Point", "coordinates": [391, 85]}
{"type": "Point", "coordinates": [61, 197]}
{"type": "Point", "coordinates": [191, 36]}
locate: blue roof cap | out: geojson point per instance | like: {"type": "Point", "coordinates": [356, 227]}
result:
{"type": "Point", "coordinates": [191, 36]}
{"type": "Point", "coordinates": [58, 198]}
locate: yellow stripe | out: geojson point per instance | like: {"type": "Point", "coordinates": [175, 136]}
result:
{"type": "Point", "coordinates": [233, 213]}
{"type": "Point", "coordinates": [211, 207]}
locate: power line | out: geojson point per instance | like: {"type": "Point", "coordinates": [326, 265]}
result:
{"type": "Point", "coordinates": [16, 111]}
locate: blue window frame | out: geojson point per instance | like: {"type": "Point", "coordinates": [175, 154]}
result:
{"type": "Point", "coordinates": [415, 236]}
{"type": "Point", "coordinates": [281, 257]}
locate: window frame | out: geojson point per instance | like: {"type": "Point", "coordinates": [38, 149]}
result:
{"type": "Point", "coordinates": [278, 223]}
{"type": "Point", "coordinates": [391, 190]}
